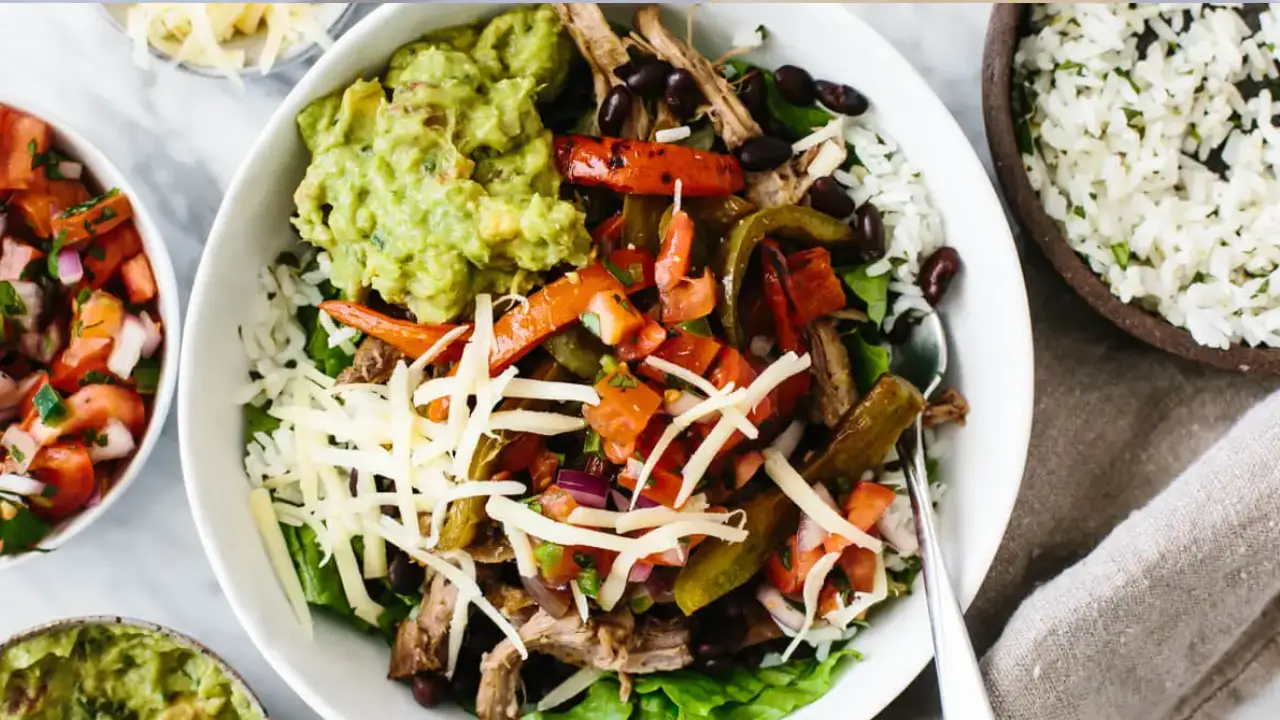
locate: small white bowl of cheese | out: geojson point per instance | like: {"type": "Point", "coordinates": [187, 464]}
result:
{"type": "Point", "coordinates": [230, 40]}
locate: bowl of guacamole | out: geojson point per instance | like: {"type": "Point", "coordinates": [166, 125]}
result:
{"type": "Point", "coordinates": [110, 667]}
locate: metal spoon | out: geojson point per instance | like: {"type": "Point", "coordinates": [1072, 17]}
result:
{"type": "Point", "coordinates": [922, 359]}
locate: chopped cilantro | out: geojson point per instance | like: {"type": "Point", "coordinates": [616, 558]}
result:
{"type": "Point", "coordinates": [699, 327]}
{"type": "Point", "coordinates": [1078, 211]}
{"type": "Point", "coordinates": [48, 160]}
{"type": "Point", "coordinates": [83, 296]}
{"type": "Point", "coordinates": [623, 379]}
{"type": "Point", "coordinates": [784, 556]}
{"type": "Point", "coordinates": [623, 276]}
{"type": "Point", "coordinates": [90, 203]}
{"type": "Point", "coordinates": [589, 582]}
{"type": "Point", "coordinates": [11, 304]}
{"type": "Point", "coordinates": [584, 560]}
{"type": "Point", "coordinates": [146, 375]}
{"type": "Point", "coordinates": [1121, 251]}
{"type": "Point", "coordinates": [54, 249]}
{"type": "Point", "coordinates": [97, 377]}
{"type": "Point", "coordinates": [19, 455]}
{"type": "Point", "coordinates": [49, 405]}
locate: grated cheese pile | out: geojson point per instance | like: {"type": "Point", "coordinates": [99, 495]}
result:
{"type": "Point", "coordinates": [204, 34]}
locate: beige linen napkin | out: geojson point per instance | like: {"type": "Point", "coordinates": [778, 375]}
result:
{"type": "Point", "coordinates": [1116, 422]}
{"type": "Point", "coordinates": [1132, 628]}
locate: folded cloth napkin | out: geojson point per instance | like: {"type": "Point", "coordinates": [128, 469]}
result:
{"type": "Point", "coordinates": [1169, 609]}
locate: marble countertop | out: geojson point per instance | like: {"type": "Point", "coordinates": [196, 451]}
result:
{"type": "Point", "coordinates": [180, 137]}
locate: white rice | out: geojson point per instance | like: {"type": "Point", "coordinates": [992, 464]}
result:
{"type": "Point", "coordinates": [1120, 167]}
{"type": "Point", "coordinates": [912, 226]}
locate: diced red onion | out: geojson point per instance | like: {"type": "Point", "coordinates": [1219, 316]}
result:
{"type": "Point", "coordinates": [810, 534]}
{"type": "Point", "coordinates": [20, 485]}
{"type": "Point", "coordinates": [126, 348]}
{"type": "Point", "coordinates": [114, 442]}
{"type": "Point", "coordinates": [622, 502]}
{"type": "Point", "coordinates": [42, 346]}
{"type": "Point", "coordinates": [154, 336]}
{"type": "Point", "coordinates": [70, 170]}
{"type": "Point", "coordinates": [70, 271]}
{"type": "Point", "coordinates": [781, 610]}
{"type": "Point", "coordinates": [555, 602]}
{"type": "Point", "coordinates": [640, 572]}
{"type": "Point", "coordinates": [674, 557]}
{"type": "Point", "coordinates": [21, 446]}
{"type": "Point", "coordinates": [789, 439]}
{"type": "Point", "coordinates": [587, 489]}
{"type": "Point", "coordinates": [32, 298]}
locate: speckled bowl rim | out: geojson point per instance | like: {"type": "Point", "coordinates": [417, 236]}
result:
{"type": "Point", "coordinates": [293, 56]}
{"type": "Point", "coordinates": [1003, 33]}
{"type": "Point", "coordinates": [183, 640]}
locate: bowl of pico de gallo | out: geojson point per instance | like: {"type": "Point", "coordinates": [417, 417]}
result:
{"type": "Point", "coordinates": [89, 325]}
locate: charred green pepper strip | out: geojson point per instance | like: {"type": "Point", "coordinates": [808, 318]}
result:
{"type": "Point", "coordinates": [716, 568]}
{"type": "Point", "coordinates": [641, 215]}
{"type": "Point", "coordinates": [465, 515]}
{"type": "Point", "coordinates": [867, 432]}
{"type": "Point", "coordinates": [577, 350]}
{"type": "Point", "coordinates": [788, 222]}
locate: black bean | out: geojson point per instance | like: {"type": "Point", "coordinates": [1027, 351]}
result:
{"type": "Point", "coordinates": [683, 95]}
{"type": "Point", "coordinates": [625, 70]}
{"type": "Point", "coordinates": [751, 91]}
{"type": "Point", "coordinates": [794, 84]}
{"type": "Point", "coordinates": [429, 689]}
{"type": "Point", "coordinates": [404, 575]}
{"type": "Point", "coordinates": [842, 98]}
{"type": "Point", "coordinates": [774, 127]}
{"type": "Point", "coordinates": [614, 111]}
{"type": "Point", "coordinates": [649, 78]}
{"type": "Point", "coordinates": [830, 197]}
{"type": "Point", "coordinates": [868, 227]}
{"type": "Point", "coordinates": [763, 153]}
{"type": "Point", "coordinates": [937, 272]}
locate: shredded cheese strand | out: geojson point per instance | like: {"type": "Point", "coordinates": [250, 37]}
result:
{"type": "Point", "coordinates": [861, 601]}
{"type": "Point", "coordinates": [794, 486]}
{"type": "Point", "coordinates": [580, 600]}
{"type": "Point", "coordinates": [278, 554]}
{"type": "Point", "coordinates": [523, 518]}
{"type": "Point", "coordinates": [657, 541]}
{"type": "Point", "coordinates": [569, 689]}
{"type": "Point", "coordinates": [523, 549]}
{"type": "Point", "coordinates": [812, 588]}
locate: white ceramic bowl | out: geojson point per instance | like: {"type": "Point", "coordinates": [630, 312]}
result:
{"type": "Point", "coordinates": [101, 173]}
{"type": "Point", "coordinates": [342, 674]}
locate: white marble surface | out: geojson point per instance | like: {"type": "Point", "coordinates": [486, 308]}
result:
{"type": "Point", "coordinates": [180, 137]}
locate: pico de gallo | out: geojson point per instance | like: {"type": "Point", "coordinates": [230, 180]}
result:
{"type": "Point", "coordinates": [80, 334]}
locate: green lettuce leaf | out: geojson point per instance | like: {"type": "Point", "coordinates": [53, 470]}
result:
{"type": "Point", "coordinates": [256, 420]}
{"type": "Point", "coordinates": [322, 586]}
{"type": "Point", "coordinates": [870, 360]}
{"type": "Point", "coordinates": [799, 120]}
{"type": "Point", "coordinates": [807, 681]}
{"type": "Point", "coordinates": [601, 703]}
{"type": "Point", "coordinates": [874, 291]}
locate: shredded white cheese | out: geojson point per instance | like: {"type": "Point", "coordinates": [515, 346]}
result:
{"type": "Point", "coordinates": [812, 587]}
{"type": "Point", "coordinates": [670, 135]}
{"type": "Point", "coordinates": [264, 517]}
{"type": "Point", "coordinates": [658, 541]}
{"type": "Point", "coordinates": [526, 564]}
{"type": "Point", "coordinates": [831, 131]}
{"type": "Point", "coordinates": [580, 600]}
{"type": "Point", "coordinates": [569, 689]}
{"type": "Point", "coordinates": [795, 487]}
{"type": "Point", "coordinates": [861, 601]}
{"type": "Point", "coordinates": [829, 158]}
{"type": "Point", "coordinates": [523, 518]}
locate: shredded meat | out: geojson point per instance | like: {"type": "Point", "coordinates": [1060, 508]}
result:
{"type": "Point", "coordinates": [373, 363]}
{"type": "Point", "coordinates": [833, 372]}
{"type": "Point", "coordinates": [614, 642]}
{"type": "Point", "coordinates": [603, 51]}
{"type": "Point", "coordinates": [949, 407]}
{"type": "Point", "coordinates": [733, 122]}
{"type": "Point", "coordinates": [422, 643]}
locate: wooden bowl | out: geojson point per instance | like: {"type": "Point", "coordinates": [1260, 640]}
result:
{"type": "Point", "coordinates": [1007, 26]}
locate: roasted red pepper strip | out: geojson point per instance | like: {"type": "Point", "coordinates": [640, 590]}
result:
{"type": "Point", "coordinates": [778, 290]}
{"type": "Point", "coordinates": [608, 232]}
{"type": "Point", "coordinates": [412, 339]}
{"type": "Point", "coordinates": [643, 343]}
{"type": "Point", "coordinates": [822, 292]}
{"type": "Point", "coordinates": [644, 168]}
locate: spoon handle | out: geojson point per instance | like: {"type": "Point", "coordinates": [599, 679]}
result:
{"type": "Point", "coordinates": [960, 686]}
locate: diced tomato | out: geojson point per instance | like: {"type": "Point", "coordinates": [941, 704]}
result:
{"type": "Point", "coordinates": [72, 367]}
{"type": "Point", "coordinates": [611, 317]}
{"type": "Point", "coordinates": [106, 253]}
{"type": "Point", "coordinates": [859, 566]}
{"type": "Point", "coordinates": [788, 566]}
{"type": "Point", "coordinates": [626, 404]}
{"type": "Point", "coordinates": [20, 134]}
{"type": "Point", "coordinates": [617, 452]}
{"type": "Point", "coordinates": [632, 267]}
{"type": "Point", "coordinates": [99, 316]}
{"type": "Point", "coordinates": [745, 466]}
{"type": "Point", "coordinates": [518, 455]}
{"type": "Point", "coordinates": [38, 209]}
{"type": "Point", "coordinates": [557, 504]}
{"type": "Point", "coordinates": [690, 299]}
{"type": "Point", "coordinates": [138, 279]}
{"type": "Point", "coordinates": [15, 256]}
{"type": "Point", "coordinates": [820, 291]}
{"type": "Point", "coordinates": [543, 468]}
{"type": "Point", "coordinates": [734, 367]}
{"type": "Point", "coordinates": [677, 453]}
{"type": "Point", "coordinates": [608, 232]}
{"type": "Point", "coordinates": [867, 503]}
{"type": "Point", "coordinates": [643, 343]}
{"type": "Point", "coordinates": [67, 467]}
{"type": "Point", "coordinates": [662, 485]}
{"type": "Point", "coordinates": [690, 351]}
{"type": "Point", "coordinates": [92, 406]}
{"type": "Point", "coordinates": [109, 211]}
{"type": "Point", "coordinates": [67, 193]}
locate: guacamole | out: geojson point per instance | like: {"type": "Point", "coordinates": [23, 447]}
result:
{"type": "Point", "coordinates": [438, 182]}
{"type": "Point", "coordinates": [116, 672]}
